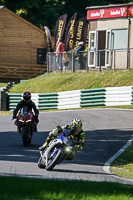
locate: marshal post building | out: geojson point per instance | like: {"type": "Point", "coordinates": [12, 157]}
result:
{"type": "Point", "coordinates": [110, 37]}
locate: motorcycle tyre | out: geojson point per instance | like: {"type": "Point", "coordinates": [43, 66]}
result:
{"type": "Point", "coordinates": [55, 161]}
{"type": "Point", "coordinates": [41, 165]}
{"type": "Point", "coordinates": [29, 140]}
{"type": "Point", "coordinates": [24, 137]}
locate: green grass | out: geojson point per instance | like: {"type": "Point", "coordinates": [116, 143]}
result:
{"type": "Point", "coordinates": [123, 165]}
{"type": "Point", "coordinates": [75, 81]}
{"type": "Point", "coordinates": [14, 188]}
{"type": "Point", "coordinates": [3, 84]}
{"type": "Point", "coordinates": [3, 113]}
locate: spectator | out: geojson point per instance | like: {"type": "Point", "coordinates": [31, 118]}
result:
{"type": "Point", "coordinates": [80, 54]}
{"type": "Point", "coordinates": [60, 48]}
{"type": "Point", "coordinates": [65, 61]}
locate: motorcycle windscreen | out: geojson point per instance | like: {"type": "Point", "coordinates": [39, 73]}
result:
{"type": "Point", "coordinates": [67, 141]}
{"type": "Point", "coordinates": [25, 111]}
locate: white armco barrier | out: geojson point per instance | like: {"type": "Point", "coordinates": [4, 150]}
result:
{"type": "Point", "coordinates": [69, 99]}
{"type": "Point", "coordinates": [117, 103]}
{"type": "Point", "coordinates": [34, 98]}
{"type": "Point", "coordinates": [69, 106]}
{"type": "Point", "coordinates": [118, 88]}
{"type": "Point", "coordinates": [118, 96]}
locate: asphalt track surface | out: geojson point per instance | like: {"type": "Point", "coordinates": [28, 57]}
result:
{"type": "Point", "coordinates": [107, 131]}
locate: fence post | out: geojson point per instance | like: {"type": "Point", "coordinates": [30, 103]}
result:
{"type": "Point", "coordinates": [61, 62]}
{"type": "Point", "coordinates": [73, 62]}
{"type": "Point", "coordinates": [128, 59]}
{"type": "Point", "coordinates": [99, 61]}
{"type": "Point", "coordinates": [48, 63]}
{"type": "Point", "coordinates": [114, 60]}
{"type": "Point", "coordinates": [87, 62]}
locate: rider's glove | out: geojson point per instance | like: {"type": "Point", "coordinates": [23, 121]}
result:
{"type": "Point", "coordinates": [14, 117]}
{"type": "Point", "coordinates": [59, 129]}
{"type": "Point", "coordinates": [78, 148]}
{"type": "Point", "coordinates": [36, 118]}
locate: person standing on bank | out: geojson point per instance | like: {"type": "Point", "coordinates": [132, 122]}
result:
{"type": "Point", "coordinates": [65, 61]}
{"type": "Point", "coordinates": [59, 54]}
{"type": "Point", "coordinates": [80, 54]}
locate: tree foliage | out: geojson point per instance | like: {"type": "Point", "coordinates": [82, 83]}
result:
{"type": "Point", "coordinates": [46, 12]}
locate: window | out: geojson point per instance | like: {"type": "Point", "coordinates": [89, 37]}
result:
{"type": "Point", "coordinates": [41, 56]}
{"type": "Point", "coordinates": [119, 39]}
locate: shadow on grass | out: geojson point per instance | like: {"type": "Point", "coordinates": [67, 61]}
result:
{"type": "Point", "coordinates": [23, 189]}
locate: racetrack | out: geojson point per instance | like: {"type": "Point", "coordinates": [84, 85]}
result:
{"type": "Point", "coordinates": [107, 130]}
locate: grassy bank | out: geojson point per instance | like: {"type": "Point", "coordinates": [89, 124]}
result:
{"type": "Point", "coordinates": [3, 84]}
{"type": "Point", "coordinates": [14, 188]}
{"type": "Point", "coordinates": [75, 81]}
{"type": "Point", "coordinates": [123, 165]}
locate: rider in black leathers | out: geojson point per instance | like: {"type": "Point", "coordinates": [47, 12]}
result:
{"type": "Point", "coordinates": [27, 102]}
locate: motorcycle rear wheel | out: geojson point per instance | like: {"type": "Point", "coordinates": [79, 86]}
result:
{"type": "Point", "coordinates": [54, 161]}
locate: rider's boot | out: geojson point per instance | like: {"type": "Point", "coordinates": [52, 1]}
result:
{"type": "Point", "coordinates": [43, 146]}
{"type": "Point", "coordinates": [35, 129]}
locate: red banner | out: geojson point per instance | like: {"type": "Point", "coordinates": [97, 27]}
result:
{"type": "Point", "coordinates": [107, 13]}
{"type": "Point", "coordinates": [48, 38]}
{"type": "Point", "coordinates": [79, 31]}
{"type": "Point", "coordinates": [69, 38]}
{"type": "Point", "coordinates": [59, 29]}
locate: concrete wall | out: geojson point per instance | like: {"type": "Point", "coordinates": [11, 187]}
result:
{"type": "Point", "coordinates": [112, 23]}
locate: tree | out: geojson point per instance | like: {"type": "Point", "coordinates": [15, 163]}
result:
{"type": "Point", "coordinates": [46, 12]}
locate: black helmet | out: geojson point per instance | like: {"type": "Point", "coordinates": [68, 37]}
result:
{"type": "Point", "coordinates": [26, 96]}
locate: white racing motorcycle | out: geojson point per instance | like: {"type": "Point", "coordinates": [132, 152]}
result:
{"type": "Point", "coordinates": [58, 150]}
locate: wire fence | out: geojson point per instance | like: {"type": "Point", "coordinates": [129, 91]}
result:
{"type": "Point", "coordinates": [113, 59]}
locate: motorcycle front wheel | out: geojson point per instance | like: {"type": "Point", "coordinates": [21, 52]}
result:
{"type": "Point", "coordinates": [53, 161]}
{"type": "Point", "coordinates": [41, 163]}
{"type": "Point", "coordinates": [25, 136]}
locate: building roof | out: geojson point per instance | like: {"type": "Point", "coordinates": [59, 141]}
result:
{"type": "Point", "coordinates": [25, 21]}
{"type": "Point", "coordinates": [108, 6]}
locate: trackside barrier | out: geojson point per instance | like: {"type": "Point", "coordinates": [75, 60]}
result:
{"type": "Point", "coordinates": [110, 96]}
{"type": "Point", "coordinates": [69, 99]}
{"type": "Point", "coordinates": [118, 96]}
{"type": "Point", "coordinates": [13, 99]}
{"type": "Point", "coordinates": [92, 97]}
{"type": "Point", "coordinates": [48, 101]}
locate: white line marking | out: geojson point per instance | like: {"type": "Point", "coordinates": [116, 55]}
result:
{"type": "Point", "coordinates": [106, 167]}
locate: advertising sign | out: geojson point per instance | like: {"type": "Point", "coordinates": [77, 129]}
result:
{"type": "Point", "coordinates": [107, 13]}
{"type": "Point", "coordinates": [79, 31]}
{"type": "Point", "coordinates": [69, 38]}
{"type": "Point", "coordinates": [48, 38]}
{"type": "Point", "coordinates": [59, 29]}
